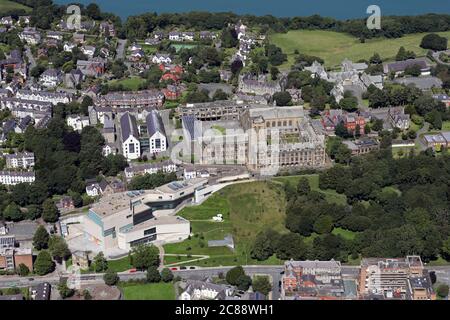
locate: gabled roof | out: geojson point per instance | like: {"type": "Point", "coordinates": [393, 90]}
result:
{"type": "Point", "coordinates": [154, 123]}
{"type": "Point", "coordinates": [129, 126]}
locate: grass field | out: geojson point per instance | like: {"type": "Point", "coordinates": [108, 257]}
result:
{"type": "Point", "coordinates": [247, 209]}
{"type": "Point", "coordinates": [179, 46]}
{"type": "Point", "coordinates": [446, 126]}
{"type": "Point", "coordinates": [150, 291]}
{"type": "Point", "coordinates": [330, 195]}
{"type": "Point", "coordinates": [120, 265]}
{"type": "Point", "coordinates": [333, 47]}
{"type": "Point", "coordinates": [131, 83]}
{"type": "Point", "coordinates": [6, 6]}
{"type": "Point", "coordinates": [346, 234]}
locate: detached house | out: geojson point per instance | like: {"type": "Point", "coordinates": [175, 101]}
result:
{"type": "Point", "coordinates": [107, 29]}
{"type": "Point", "coordinates": [175, 36]}
{"type": "Point", "coordinates": [88, 51]}
{"type": "Point", "coordinates": [30, 36]}
{"type": "Point", "coordinates": [159, 58]}
{"type": "Point", "coordinates": [51, 78]}
{"type": "Point", "coordinates": [94, 67]}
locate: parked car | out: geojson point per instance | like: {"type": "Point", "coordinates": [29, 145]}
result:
{"type": "Point", "coordinates": [182, 268]}
{"type": "Point", "coordinates": [133, 270]}
{"type": "Point", "coordinates": [173, 268]}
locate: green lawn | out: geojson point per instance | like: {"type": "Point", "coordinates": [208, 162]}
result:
{"type": "Point", "coordinates": [131, 83]}
{"type": "Point", "coordinates": [177, 259]}
{"type": "Point", "coordinates": [150, 291]}
{"type": "Point", "coordinates": [120, 265]}
{"type": "Point", "coordinates": [344, 233]}
{"type": "Point", "coordinates": [401, 152]}
{"type": "Point", "coordinates": [330, 195]}
{"type": "Point", "coordinates": [6, 5]}
{"type": "Point", "coordinates": [247, 209]}
{"type": "Point", "coordinates": [221, 129]}
{"type": "Point", "coordinates": [446, 125]}
{"type": "Point", "coordinates": [179, 46]}
{"type": "Point", "coordinates": [333, 47]}
{"type": "Point", "coordinates": [149, 50]}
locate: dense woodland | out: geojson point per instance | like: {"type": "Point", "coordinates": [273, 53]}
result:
{"type": "Point", "coordinates": [410, 217]}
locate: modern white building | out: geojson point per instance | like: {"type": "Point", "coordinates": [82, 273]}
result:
{"type": "Point", "coordinates": [16, 177]}
{"type": "Point", "coordinates": [124, 220]}
{"type": "Point", "coordinates": [156, 133]}
{"type": "Point", "coordinates": [131, 147]}
{"type": "Point", "coordinates": [23, 160]}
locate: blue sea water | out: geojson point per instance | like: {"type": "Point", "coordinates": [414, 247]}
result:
{"type": "Point", "coordinates": [339, 9]}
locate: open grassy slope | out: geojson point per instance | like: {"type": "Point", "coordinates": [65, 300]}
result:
{"type": "Point", "coordinates": [333, 47]}
{"type": "Point", "coordinates": [6, 6]}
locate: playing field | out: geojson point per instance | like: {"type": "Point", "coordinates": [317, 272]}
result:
{"type": "Point", "coordinates": [333, 47]}
{"type": "Point", "coordinates": [6, 5]}
{"type": "Point", "coordinates": [149, 291]}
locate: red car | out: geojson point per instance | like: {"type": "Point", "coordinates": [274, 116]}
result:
{"type": "Point", "coordinates": [174, 268]}
{"type": "Point", "coordinates": [132, 270]}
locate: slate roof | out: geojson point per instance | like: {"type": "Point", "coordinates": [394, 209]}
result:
{"type": "Point", "coordinates": [129, 126]}
{"type": "Point", "coordinates": [154, 123]}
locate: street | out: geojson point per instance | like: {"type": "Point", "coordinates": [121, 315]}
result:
{"type": "Point", "coordinates": [274, 271]}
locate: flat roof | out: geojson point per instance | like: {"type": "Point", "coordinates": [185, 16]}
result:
{"type": "Point", "coordinates": [117, 202]}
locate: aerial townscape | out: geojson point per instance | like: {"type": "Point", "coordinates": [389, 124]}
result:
{"type": "Point", "coordinates": [219, 156]}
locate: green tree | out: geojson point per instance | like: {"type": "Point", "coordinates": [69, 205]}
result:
{"type": "Point", "coordinates": [234, 274]}
{"type": "Point", "coordinates": [44, 263]}
{"type": "Point", "coordinates": [303, 187]}
{"type": "Point", "coordinates": [442, 290]}
{"type": "Point", "coordinates": [49, 211]}
{"type": "Point", "coordinates": [244, 282]}
{"type": "Point", "coordinates": [434, 42]}
{"type": "Point", "coordinates": [262, 284]}
{"type": "Point", "coordinates": [110, 277]}
{"type": "Point", "coordinates": [58, 248]}
{"type": "Point", "coordinates": [282, 98]}
{"type": "Point", "coordinates": [23, 270]}
{"type": "Point", "coordinates": [12, 212]}
{"type": "Point", "coordinates": [166, 275]}
{"type": "Point", "coordinates": [64, 290]}
{"type": "Point", "coordinates": [87, 295]}
{"type": "Point", "coordinates": [153, 275]}
{"type": "Point", "coordinates": [145, 256]}
{"type": "Point", "coordinates": [100, 262]}
{"type": "Point", "coordinates": [41, 238]}
{"type": "Point", "coordinates": [324, 224]}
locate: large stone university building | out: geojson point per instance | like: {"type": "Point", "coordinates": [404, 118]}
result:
{"type": "Point", "coordinates": [261, 137]}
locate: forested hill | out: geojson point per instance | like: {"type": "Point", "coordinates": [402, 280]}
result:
{"type": "Point", "coordinates": [395, 207]}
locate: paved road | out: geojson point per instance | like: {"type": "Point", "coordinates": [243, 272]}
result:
{"type": "Point", "coordinates": [418, 139]}
{"type": "Point", "coordinates": [31, 59]}
{"type": "Point", "coordinates": [442, 273]}
{"type": "Point", "coordinates": [121, 49]}
{"type": "Point", "coordinates": [436, 55]}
